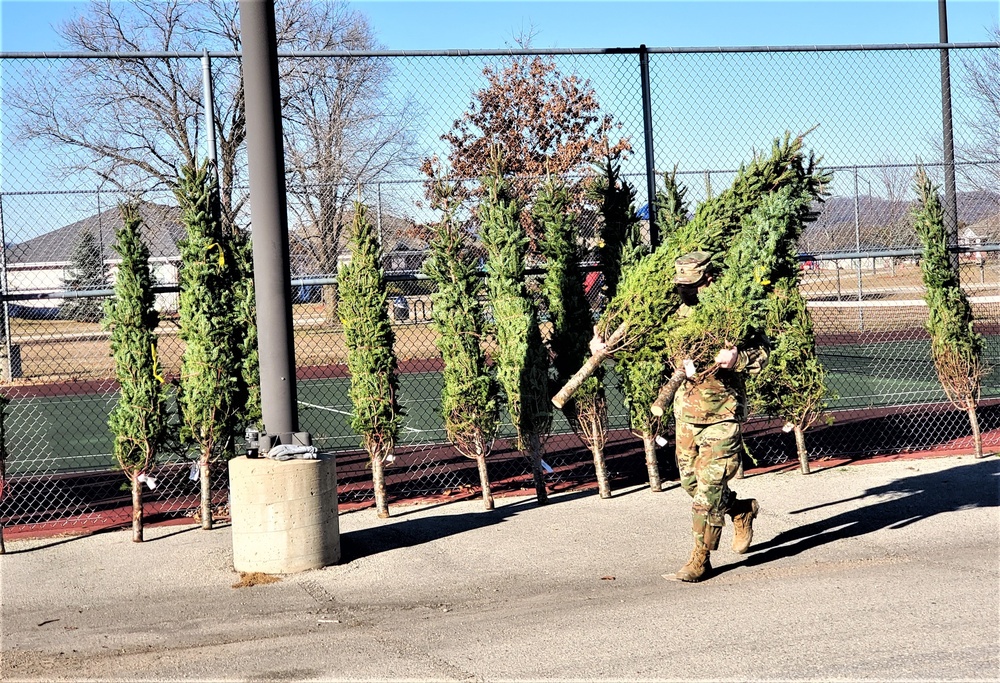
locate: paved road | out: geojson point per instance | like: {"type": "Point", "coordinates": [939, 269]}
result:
{"type": "Point", "coordinates": [869, 571]}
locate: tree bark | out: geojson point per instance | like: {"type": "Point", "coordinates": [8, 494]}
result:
{"type": "Point", "coordinates": [601, 469]}
{"type": "Point", "coordinates": [137, 517]}
{"type": "Point", "coordinates": [205, 475]}
{"type": "Point", "coordinates": [652, 465]}
{"type": "Point", "coordinates": [535, 453]}
{"type": "Point", "coordinates": [378, 479]}
{"type": "Point", "coordinates": [331, 305]}
{"type": "Point", "coordinates": [977, 436]}
{"type": "Point", "coordinates": [800, 447]}
{"type": "Point", "coordinates": [667, 392]}
{"type": "Point", "coordinates": [484, 481]}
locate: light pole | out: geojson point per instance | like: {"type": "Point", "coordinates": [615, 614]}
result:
{"type": "Point", "coordinates": [950, 200]}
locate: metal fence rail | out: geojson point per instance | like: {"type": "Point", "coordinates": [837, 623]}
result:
{"type": "Point", "coordinates": [877, 108]}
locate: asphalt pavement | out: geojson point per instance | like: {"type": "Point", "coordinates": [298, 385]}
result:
{"type": "Point", "coordinates": [872, 571]}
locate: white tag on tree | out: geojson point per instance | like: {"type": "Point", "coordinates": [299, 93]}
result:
{"type": "Point", "coordinates": [689, 368]}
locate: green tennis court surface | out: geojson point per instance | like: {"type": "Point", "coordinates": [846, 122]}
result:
{"type": "Point", "coordinates": [69, 433]}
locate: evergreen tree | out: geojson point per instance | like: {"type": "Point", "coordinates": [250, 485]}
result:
{"type": "Point", "coordinates": [521, 360]}
{"type": "Point", "coordinates": [615, 199]}
{"type": "Point", "coordinates": [247, 400]}
{"type": "Point", "coordinates": [642, 368]}
{"type": "Point", "coordinates": [86, 272]}
{"type": "Point", "coordinates": [792, 386]}
{"type": "Point", "coordinates": [671, 205]}
{"type": "Point", "coordinates": [210, 366]}
{"type": "Point", "coordinates": [569, 314]}
{"type": "Point", "coordinates": [364, 313]}
{"type": "Point", "coordinates": [469, 395]}
{"type": "Point", "coordinates": [138, 421]}
{"type": "Point", "coordinates": [955, 345]}
{"type": "Point", "coordinates": [641, 312]}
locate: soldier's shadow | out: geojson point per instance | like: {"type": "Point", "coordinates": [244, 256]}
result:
{"type": "Point", "coordinates": [910, 500]}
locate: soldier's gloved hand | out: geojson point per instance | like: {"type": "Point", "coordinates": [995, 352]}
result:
{"type": "Point", "coordinates": [727, 358]}
{"type": "Point", "coordinates": [597, 344]}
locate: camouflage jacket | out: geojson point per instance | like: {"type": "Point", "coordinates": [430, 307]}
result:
{"type": "Point", "coordinates": [721, 395]}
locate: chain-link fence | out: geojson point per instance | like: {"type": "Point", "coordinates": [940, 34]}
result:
{"type": "Point", "coordinates": [375, 127]}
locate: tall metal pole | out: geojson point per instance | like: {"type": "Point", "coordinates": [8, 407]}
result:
{"type": "Point", "coordinates": [268, 210]}
{"type": "Point", "coordinates": [5, 291]}
{"type": "Point", "coordinates": [647, 128]}
{"type": "Point", "coordinates": [857, 248]}
{"type": "Point", "coordinates": [950, 200]}
{"type": "Point", "coordinates": [206, 79]}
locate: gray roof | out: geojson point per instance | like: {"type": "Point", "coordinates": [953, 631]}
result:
{"type": "Point", "coordinates": [161, 229]}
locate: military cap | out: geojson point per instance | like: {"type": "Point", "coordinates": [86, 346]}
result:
{"type": "Point", "coordinates": [690, 268]}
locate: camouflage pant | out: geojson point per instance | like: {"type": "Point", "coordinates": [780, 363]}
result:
{"type": "Point", "coordinates": [708, 456]}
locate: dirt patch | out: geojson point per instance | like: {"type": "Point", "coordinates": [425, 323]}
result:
{"type": "Point", "coordinates": [248, 579]}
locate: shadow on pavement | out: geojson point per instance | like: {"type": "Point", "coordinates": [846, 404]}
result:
{"type": "Point", "coordinates": [910, 500]}
{"type": "Point", "coordinates": [410, 532]}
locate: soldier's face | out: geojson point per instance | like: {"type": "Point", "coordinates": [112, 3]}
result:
{"type": "Point", "coordinates": [689, 293]}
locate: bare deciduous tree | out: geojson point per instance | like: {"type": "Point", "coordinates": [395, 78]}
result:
{"type": "Point", "coordinates": [343, 130]}
{"type": "Point", "coordinates": [981, 153]}
{"type": "Point", "coordinates": [133, 121]}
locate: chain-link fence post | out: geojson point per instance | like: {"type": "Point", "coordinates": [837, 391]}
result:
{"type": "Point", "coordinates": [647, 129]}
{"type": "Point", "coordinates": [8, 365]}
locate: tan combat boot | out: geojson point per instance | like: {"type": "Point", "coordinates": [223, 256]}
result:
{"type": "Point", "coordinates": [697, 568]}
{"type": "Point", "coordinates": [743, 513]}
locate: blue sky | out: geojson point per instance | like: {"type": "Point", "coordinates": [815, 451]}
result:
{"type": "Point", "coordinates": [454, 24]}
{"type": "Point", "coordinates": [710, 111]}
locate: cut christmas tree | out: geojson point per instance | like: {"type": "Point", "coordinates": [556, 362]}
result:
{"type": "Point", "coordinates": [468, 396]}
{"type": "Point", "coordinates": [646, 297]}
{"type": "Point", "coordinates": [955, 346]}
{"type": "Point", "coordinates": [364, 313]}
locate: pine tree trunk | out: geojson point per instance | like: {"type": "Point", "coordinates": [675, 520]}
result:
{"type": "Point", "coordinates": [652, 465]}
{"type": "Point", "coordinates": [484, 481]}
{"type": "Point", "coordinates": [137, 517]}
{"type": "Point", "coordinates": [205, 475]}
{"type": "Point", "coordinates": [535, 453]}
{"type": "Point", "coordinates": [666, 394]}
{"type": "Point", "coordinates": [331, 304]}
{"type": "Point", "coordinates": [800, 447]}
{"type": "Point", "coordinates": [977, 436]}
{"type": "Point", "coordinates": [601, 469]}
{"type": "Point", "coordinates": [378, 480]}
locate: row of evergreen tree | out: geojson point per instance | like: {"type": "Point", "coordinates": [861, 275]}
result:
{"type": "Point", "coordinates": [218, 390]}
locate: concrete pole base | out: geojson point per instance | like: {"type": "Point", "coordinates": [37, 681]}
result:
{"type": "Point", "coordinates": [284, 514]}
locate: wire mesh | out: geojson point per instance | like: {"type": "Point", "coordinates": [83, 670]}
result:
{"type": "Point", "coordinates": [373, 129]}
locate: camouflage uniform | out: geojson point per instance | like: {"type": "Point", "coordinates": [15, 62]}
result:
{"type": "Point", "coordinates": [708, 412]}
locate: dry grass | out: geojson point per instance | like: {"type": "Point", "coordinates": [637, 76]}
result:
{"type": "Point", "coordinates": [248, 579]}
{"type": "Point", "coordinates": [77, 351]}
{"type": "Point", "coordinates": [61, 350]}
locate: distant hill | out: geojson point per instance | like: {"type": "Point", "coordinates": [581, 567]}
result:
{"type": "Point", "coordinates": [885, 224]}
